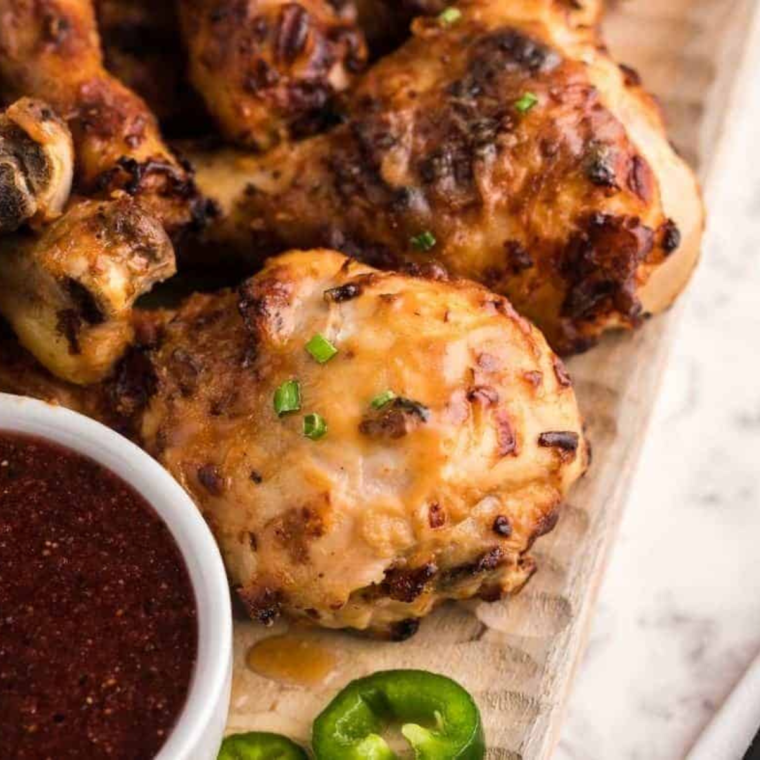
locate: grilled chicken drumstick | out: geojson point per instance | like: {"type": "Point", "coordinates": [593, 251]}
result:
{"type": "Point", "coordinates": [67, 288]}
{"type": "Point", "coordinates": [267, 69]}
{"type": "Point", "coordinates": [52, 52]}
{"type": "Point", "coordinates": [505, 145]}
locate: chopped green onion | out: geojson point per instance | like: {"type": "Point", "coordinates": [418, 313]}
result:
{"type": "Point", "coordinates": [449, 16]}
{"type": "Point", "coordinates": [321, 349]}
{"type": "Point", "coordinates": [382, 399]}
{"type": "Point", "coordinates": [287, 398]}
{"type": "Point", "coordinates": [314, 426]}
{"type": "Point", "coordinates": [526, 102]}
{"type": "Point", "coordinates": [424, 241]}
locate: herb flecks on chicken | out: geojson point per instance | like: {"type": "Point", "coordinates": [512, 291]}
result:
{"type": "Point", "coordinates": [390, 509]}
{"type": "Point", "coordinates": [513, 141]}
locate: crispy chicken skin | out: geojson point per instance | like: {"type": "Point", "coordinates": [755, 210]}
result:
{"type": "Point", "coordinates": [267, 69]}
{"type": "Point", "coordinates": [36, 164]}
{"type": "Point", "coordinates": [436, 495]}
{"type": "Point", "coordinates": [68, 290]}
{"type": "Point", "coordinates": [537, 166]}
{"type": "Point", "coordinates": [68, 293]}
{"type": "Point", "coordinates": [49, 49]}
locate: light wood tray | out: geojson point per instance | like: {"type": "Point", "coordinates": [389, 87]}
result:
{"type": "Point", "coordinates": [517, 657]}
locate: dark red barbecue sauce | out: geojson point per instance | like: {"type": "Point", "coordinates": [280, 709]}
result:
{"type": "Point", "coordinates": [98, 625]}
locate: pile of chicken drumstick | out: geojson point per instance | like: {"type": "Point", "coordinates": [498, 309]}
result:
{"type": "Point", "coordinates": [425, 189]}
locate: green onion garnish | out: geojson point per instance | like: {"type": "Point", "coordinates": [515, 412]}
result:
{"type": "Point", "coordinates": [424, 241]}
{"type": "Point", "coordinates": [526, 102]}
{"type": "Point", "coordinates": [382, 399]}
{"type": "Point", "coordinates": [449, 16]}
{"type": "Point", "coordinates": [321, 349]}
{"type": "Point", "coordinates": [314, 426]}
{"type": "Point", "coordinates": [287, 398]}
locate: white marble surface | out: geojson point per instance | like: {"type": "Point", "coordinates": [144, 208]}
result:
{"type": "Point", "coordinates": [678, 619]}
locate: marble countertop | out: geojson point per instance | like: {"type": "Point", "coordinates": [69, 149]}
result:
{"type": "Point", "coordinates": [678, 618]}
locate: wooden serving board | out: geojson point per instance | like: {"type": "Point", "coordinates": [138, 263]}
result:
{"type": "Point", "coordinates": [517, 657]}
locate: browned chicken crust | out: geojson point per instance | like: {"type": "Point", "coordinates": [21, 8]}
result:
{"type": "Point", "coordinates": [436, 495]}
{"type": "Point", "coordinates": [67, 287]}
{"type": "Point", "coordinates": [68, 290]}
{"type": "Point", "coordinates": [49, 49]}
{"type": "Point", "coordinates": [506, 146]}
{"type": "Point", "coordinates": [267, 69]}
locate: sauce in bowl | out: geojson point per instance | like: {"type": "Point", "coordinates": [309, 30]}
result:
{"type": "Point", "coordinates": [98, 620]}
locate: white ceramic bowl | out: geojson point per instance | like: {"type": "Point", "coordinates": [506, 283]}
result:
{"type": "Point", "coordinates": [198, 731]}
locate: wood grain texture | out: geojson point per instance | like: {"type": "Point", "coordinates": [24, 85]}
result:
{"type": "Point", "coordinates": [518, 656]}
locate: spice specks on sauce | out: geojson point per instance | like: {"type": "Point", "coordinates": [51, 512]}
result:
{"type": "Point", "coordinates": [98, 631]}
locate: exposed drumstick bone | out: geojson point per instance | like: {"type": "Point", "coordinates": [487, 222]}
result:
{"type": "Point", "coordinates": [68, 294]}
{"type": "Point", "coordinates": [36, 164]}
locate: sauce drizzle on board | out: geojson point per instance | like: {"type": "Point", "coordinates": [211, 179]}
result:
{"type": "Point", "coordinates": [98, 621]}
{"type": "Point", "coordinates": [293, 660]}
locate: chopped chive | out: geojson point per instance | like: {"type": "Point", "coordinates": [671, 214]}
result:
{"type": "Point", "coordinates": [449, 16]}
{"type": "Point", "coordinates": [321, 349]}
{"type": "Point", "coordinates": [425, 241]}
{"type": "Point", "coordinates": [526, 102]}
{"type": "Point", "coordinates": [287, 398]}
{"type": "Point", "coordinates": [382, 399]}
{"type": "Point", "coordinates": [314, 426]}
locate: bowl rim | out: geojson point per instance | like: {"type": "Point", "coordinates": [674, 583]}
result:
{"type": "Point", "coordinates": [210, 682]}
